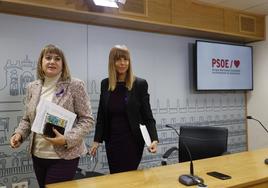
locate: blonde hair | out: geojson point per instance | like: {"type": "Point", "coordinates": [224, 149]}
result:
{"type": "Point", "coordinates": [50, 48]}
{"type": "Point", "coordinates": [116, 53]}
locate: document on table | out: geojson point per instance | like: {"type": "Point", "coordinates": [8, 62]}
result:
{"type": "Point", "coordinates": [48, 112]}
{"type": "Point", "coordinates": [145, 135]}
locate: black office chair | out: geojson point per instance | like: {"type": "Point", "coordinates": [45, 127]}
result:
{"type": "Point", "coordinates": [202, 142]}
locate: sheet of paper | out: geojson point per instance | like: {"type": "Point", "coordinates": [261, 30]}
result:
{"type": "Point", "coordinates": [145, 135]}
{"type": "Point", "coordinates": [46, 107]}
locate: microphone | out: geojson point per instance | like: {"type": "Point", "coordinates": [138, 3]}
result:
{"type": "Point", "coordinates": [250, 117]}
{"type": "Point", "coordinates": [188, 179]}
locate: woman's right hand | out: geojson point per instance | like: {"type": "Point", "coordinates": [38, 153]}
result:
{"type": "Point", "coordinates": [15, 140]}
{"type": "Point", "coordinates": [94, 148]}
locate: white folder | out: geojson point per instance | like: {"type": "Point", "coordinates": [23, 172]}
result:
{"type": "Point", "coordinates": [145, 135]}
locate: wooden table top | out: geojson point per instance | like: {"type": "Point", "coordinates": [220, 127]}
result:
{"type": "Point", "coordinates": [245, 168]}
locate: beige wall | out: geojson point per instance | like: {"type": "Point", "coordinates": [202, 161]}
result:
{"type": "Point", "coordinates": [258, 98]}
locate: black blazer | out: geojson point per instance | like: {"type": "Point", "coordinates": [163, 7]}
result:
{"type": "Point", "coordinates": [138, 111]}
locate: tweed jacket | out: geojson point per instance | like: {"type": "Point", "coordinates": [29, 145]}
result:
{"type": "Point", "coordinates": [72, 96]}
{"type": "Point", "coordinates": [138, 111]}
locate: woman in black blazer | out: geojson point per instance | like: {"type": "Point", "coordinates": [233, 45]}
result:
{"type": "Point", "coordinates": [124, 105]}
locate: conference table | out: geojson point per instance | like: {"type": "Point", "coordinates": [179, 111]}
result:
{"type": "Point", "coordinates": [247, 169]}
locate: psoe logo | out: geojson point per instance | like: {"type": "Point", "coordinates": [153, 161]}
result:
{"type": "Point", "coordinates": [225, 63]}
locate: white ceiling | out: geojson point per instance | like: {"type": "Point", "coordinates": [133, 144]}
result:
{"type": "Point", "coordinates": [252, 6]}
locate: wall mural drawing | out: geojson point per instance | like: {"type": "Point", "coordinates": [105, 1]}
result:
{"type": "Point", "coordinates": [175, 105]}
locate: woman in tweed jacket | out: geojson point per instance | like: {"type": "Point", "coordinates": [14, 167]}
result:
{"type": "Point", "coordinates": [55, 159]}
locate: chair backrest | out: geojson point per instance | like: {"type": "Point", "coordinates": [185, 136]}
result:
{"type": "Point", "coordinates": [202, 141]}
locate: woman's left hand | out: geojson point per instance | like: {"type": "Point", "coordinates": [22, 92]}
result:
{"type": "Point", "coordinates": [153, 147]}
{"type": "Point", "coordinates": [58, 140]}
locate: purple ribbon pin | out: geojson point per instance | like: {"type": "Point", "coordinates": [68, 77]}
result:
{"type": "Point", "coordinates": [59, 93]}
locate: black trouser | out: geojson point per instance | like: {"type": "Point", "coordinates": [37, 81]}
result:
{"type": "Point", "coordinates": [54, 170]}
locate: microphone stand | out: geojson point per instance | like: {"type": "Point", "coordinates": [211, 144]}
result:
{"type": "Point", "coordinates": [183, 178]}
{"type": "Point", "coordinates": [250, 117]}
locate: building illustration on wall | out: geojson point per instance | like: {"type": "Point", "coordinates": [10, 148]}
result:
{"type": "Point", "coordinates": [15, 165]}
{"type": "Point", "coordinates": [4, 128]}
{"type": "Point", "coordinates": [18, 74]}
{"type": "Point", "coordinates": [215, 110]}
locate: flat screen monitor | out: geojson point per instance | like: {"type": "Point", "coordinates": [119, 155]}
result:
{"type": "Point", "coordinates": [222, 66]}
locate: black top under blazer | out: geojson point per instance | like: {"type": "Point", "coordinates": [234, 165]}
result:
{"type": "Point", "coordinates": [138, 111]}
